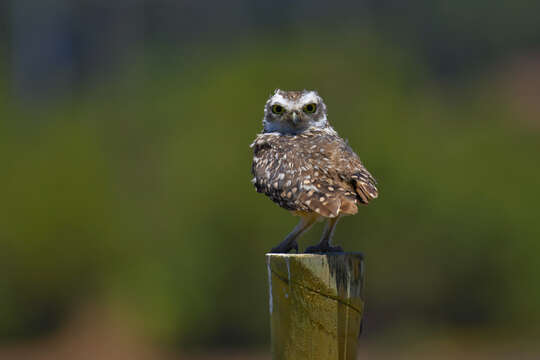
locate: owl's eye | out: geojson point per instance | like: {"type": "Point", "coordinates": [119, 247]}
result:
{"type": "Point", "coordinates": [277, 109]}
{"type": "Point", "coordinates": [310, 108]}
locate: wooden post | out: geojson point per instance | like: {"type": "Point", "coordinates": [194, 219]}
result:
{"type": "Point", "coordinates": [316, 305]}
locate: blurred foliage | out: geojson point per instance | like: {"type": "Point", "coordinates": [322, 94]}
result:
{"type": "Point", "coordinates": [458, 38]}
{"type": "Point", "coordinates": [138, 194]}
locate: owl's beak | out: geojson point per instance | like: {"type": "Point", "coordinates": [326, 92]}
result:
{"type": "Point", "coordinates": [294, 118]}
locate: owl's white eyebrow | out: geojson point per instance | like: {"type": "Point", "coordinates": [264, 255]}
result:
{"type": "Point", "coordinates": [278, 98]}
{"type": "Point", "coordinates": [310, 97]}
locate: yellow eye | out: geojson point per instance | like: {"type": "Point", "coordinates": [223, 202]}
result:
{"type": "Point", "coordinates": [277, 109]}
{"type": "Point", "coordinates": [310, 108]}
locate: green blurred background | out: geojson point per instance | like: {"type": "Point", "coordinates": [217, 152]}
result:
{"type": "Point", "coordinates": [128, 224]}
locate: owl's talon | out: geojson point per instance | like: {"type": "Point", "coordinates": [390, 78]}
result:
{"type": "Point", "coordinates": [319, 249]}
{"type": "Point", "coordinates": [284, 249]}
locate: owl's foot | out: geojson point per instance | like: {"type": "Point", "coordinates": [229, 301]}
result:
{"type": "Point", "coordinates": [323, 249]}
{"type": "Point", "coordinates": [284, 248]}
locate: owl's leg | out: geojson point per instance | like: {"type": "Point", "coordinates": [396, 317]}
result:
{"type": "Point", "coordinates": [324, 245]}
{"type": "Point", "coordinates": [290, 240]}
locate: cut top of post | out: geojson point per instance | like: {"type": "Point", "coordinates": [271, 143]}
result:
{"type": "Point", "coordinates": [335, 275]}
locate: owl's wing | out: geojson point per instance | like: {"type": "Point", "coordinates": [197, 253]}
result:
{"type": "Point", "coordinates": [341, 180]}
{"type": "Point", "coordinates": [351, 170]}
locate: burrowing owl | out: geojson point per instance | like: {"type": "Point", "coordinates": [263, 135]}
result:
{"type": "Point", "coordinates": [302, 164]}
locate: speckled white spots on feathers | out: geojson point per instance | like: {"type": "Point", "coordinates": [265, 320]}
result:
{"type": "Point", "coordinates": [322, 174]}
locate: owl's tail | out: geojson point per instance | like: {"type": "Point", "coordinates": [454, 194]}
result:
{"type": "Point", "coordinates": [366, 191]}
{"type": "Point", "coordinates": [365, 186]}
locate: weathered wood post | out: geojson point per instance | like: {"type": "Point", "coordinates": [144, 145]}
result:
{"type": "Point", "coordinates": [316, 305]}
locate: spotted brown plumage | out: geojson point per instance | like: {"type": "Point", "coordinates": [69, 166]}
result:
{"type": "Point", "coordinates": [314, 171]}
{"type": "Point", "coordinates": [301, 163]}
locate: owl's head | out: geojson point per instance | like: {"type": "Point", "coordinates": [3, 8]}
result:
{"type": "Point", "coordinates": [292, 112]}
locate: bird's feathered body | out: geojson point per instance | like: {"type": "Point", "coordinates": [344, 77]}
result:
{"type": "Point", "coordinates": [315, 171]}
{"type": "Point", "coordinates": [301, 163]}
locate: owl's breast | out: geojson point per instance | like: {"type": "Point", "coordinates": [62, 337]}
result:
{"type": "Point", "coordinates": [277, 169]}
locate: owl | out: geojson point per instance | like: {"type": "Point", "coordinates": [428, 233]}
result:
{"type": "Point", "coordinates": [301, 163]}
